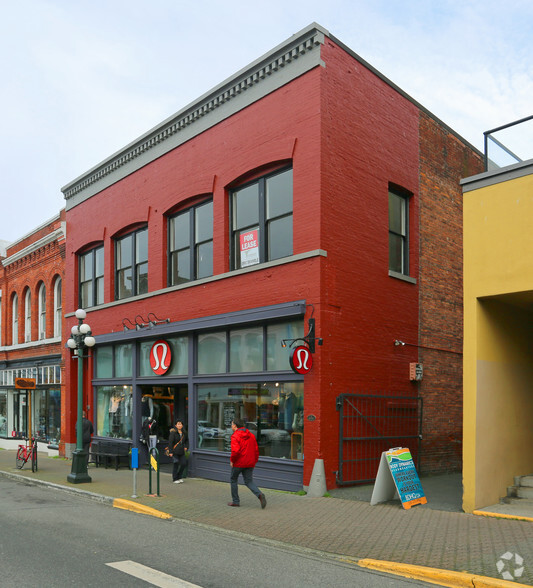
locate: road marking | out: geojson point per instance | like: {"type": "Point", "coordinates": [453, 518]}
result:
{"type": "Point", "coordinates": [154, 577]}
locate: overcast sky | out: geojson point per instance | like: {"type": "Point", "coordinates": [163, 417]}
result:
{"type": "Point", "coordinates": [80, 80]}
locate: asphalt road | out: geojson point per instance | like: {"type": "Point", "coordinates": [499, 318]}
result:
{"type": "Point", "coordinates": [52, 538]}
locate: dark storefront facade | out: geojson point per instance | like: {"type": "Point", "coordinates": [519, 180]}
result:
{"type": "Point", "coordinates": [207, 372]}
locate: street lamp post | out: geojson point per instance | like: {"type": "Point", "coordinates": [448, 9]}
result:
{"type": "Point", "coordinates": [81, 338]}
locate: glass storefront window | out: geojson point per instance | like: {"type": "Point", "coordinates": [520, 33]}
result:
{"type": "Point", "coordinates": [114, 411]}
{"type": "Point", "coordinates": [180, 357]}
{"type": "Point", "coordinates": [47, 414]}
{"type": "Point", "coordinates": [246, 350]}
{"type": "Point", "coordinates": [104, 361]}
{"type": "Point", "coordinates": [278, 356]}
{"type": "Point", "coordinates": [3, 413]}
{"type": "Point", "coordinates": [123, 361]}
{"type": "Point", "coordinates": [212, 353]}
{"type": "Point", "coordinates": [272, 412]}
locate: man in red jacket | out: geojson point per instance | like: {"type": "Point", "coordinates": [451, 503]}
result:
{"type": "Point", "coordinates": [244, 456]}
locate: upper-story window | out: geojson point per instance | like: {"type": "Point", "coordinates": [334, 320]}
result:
{"type": "Point", "coordinates": [261, 220]}
{"type": "Point", "coordinates": [42, 311]}
{"type": "Point", "coordinates": [15, 320]}
{"type": "Point", "coordinates": [58, 307]}
{"type": "Point", "coordinates": [27, 316]}
{"type": "Point", "coordinates": [91, 269]}
{"type": "Point", "coordinates": [399, 232]}
{"type": "Point", "coordinates": [131, 264]}
{"type": "Point", "coordinates": [191, 244]}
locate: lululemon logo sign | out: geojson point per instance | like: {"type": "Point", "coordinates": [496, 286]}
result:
{"type": "Point", "coordinates": [160, 357]}
{"type": "Point", "coordinates": [301, 360]}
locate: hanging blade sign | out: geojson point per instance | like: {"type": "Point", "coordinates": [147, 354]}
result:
{"type": "Point", "coordinates": [301, 360]}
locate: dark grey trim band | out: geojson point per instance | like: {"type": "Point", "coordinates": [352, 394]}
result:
{"type": "Point", "coordinates": [252, 315]}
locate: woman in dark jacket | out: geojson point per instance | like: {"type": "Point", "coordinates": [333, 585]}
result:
{"type": "Point", "coordinates": [178, 442]}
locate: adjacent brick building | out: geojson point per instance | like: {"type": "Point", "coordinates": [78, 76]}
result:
{"type": "Point", "coordinates": [31, 283]}
{"type": "Point", "coordinates": [306, 196]}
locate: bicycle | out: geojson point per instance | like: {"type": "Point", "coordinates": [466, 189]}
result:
{"type": "Point", "coordinates": [26, 452]}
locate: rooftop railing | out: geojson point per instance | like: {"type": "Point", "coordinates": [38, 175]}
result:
{"type": "Point", "coordinates": [512, 145]}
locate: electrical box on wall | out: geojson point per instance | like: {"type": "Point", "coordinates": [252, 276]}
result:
{"type": "Point", "coordinates": [416, 371]}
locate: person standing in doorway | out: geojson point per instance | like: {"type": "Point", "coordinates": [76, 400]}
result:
{"type": "Point", "coordinates": [244, 456]}
{"type": "Point", "coordinates": [178, 442]}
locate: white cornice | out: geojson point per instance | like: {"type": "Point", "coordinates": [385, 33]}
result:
{"type": "Point", "coordinates": [55, 235]}
{"type": "Point", "coordinates": [279, 66]}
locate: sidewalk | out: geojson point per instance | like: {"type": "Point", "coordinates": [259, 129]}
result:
{"type": "Point", "coordinates": [443, 540]}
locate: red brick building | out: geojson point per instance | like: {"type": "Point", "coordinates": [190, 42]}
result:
{"type": "Point", "coordinates": [306, 186]}
{"type": "Point", "coordinates": [31, 284]}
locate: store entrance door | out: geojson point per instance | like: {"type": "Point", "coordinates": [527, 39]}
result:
{"type": "Point", "coordinates": [163, 404]}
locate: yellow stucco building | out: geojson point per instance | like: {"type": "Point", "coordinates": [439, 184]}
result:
{"type": "Point", "coordinates": [498, 332]}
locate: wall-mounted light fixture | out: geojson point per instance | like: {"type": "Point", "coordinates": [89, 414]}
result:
{"type": "Point", "coordinates": [309, 339]}
{"type": "Point", "coordinates": [126, 327]}
{"type": "Point", "coordinates": [154, 321]}
{"type": "Point", "coordinates": [399, 343]}
{"type": "Point", "coordinates": [139, 322]}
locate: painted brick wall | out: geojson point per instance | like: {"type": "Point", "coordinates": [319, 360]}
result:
{"type": "Point", "coordinates": [282, 127]}
{"type": "Point", "coordinates": [369, 138]}
{"type": "Point", "coordinates": [348, 135]}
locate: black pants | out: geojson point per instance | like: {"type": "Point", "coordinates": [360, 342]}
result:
{"type": "Point", "coordinates": [178, 466]}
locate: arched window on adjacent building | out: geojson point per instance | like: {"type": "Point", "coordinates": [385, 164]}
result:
{"type": "Point", "coordinates": [15, 320]}
{"type": "Point", "coordinates": [42, 311]}
{"type": "Point", "coordinates": [58, 307]}
{"type": "Point", "coordinates": [27, 316]}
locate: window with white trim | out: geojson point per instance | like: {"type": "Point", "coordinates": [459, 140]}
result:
{"type": "Point", "coordinates": [27, 316]}
{"type": "Point", "coordinates": [15, 320]}
{"type": "Point", "coordinates": [42, 311]}
{"type": "Point", "coordinates": [58, 307]}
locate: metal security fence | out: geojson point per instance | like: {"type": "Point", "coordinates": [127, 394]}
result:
{"type": "Point", "coordinates": [370, 424]}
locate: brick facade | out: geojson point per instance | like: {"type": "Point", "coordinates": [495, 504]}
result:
{"type": "Point", "coordinates": [349, 135]}
{"type": "Point", "coordinates": [444, 161]}
{"type": "Point", "coordinates": [35, 261]}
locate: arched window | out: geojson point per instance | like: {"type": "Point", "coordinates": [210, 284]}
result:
{"type": "Point", "coordinates": [42, 312]}
{"type": "Point", "coordinates": [15, 320]}
{"type": "Point", "coordinates": [27, 316]}
{"type": "Point", "coordinates": [58, 307]}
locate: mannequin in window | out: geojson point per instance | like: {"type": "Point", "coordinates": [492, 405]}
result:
{"type": "Point", "coordinates": [148, 429]}
{"type": "Point", "coordinates": [287, 406]}
{"type": "Point", "coordinates": [147, 407]}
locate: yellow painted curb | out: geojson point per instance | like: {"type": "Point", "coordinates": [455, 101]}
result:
{"type": "Point", "coordinates": [436, 576]}
{"type": "Point", "coordinates": [499, 515]}
{"type": "Point", "coordinates": [140, 508]}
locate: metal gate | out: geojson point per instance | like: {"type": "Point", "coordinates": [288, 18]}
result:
{"type": "Point", "coordinates": [370, 424]}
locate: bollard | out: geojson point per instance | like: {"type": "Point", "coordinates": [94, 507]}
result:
{"type": "Point", "coordinates": [153, 463]}
{"type": "Point", "coordinates": [317, 485]}
{"type": "Point", "coordinates": [134, 467]}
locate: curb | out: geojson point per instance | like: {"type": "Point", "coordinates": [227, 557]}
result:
{"type": "Point", "coordinates": [116, 502]}
{"type": "Point", "coordinates": [499, 515]}
{"type": "Point", "coordinates": [139, 508]}
{"type": "Point", "coordinates": [436, 576]}
{"type": "Point", "coordinates": [62, 487]}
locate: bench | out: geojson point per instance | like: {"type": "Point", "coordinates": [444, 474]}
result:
{"type": "Point", "coordinates": [107, 452]}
